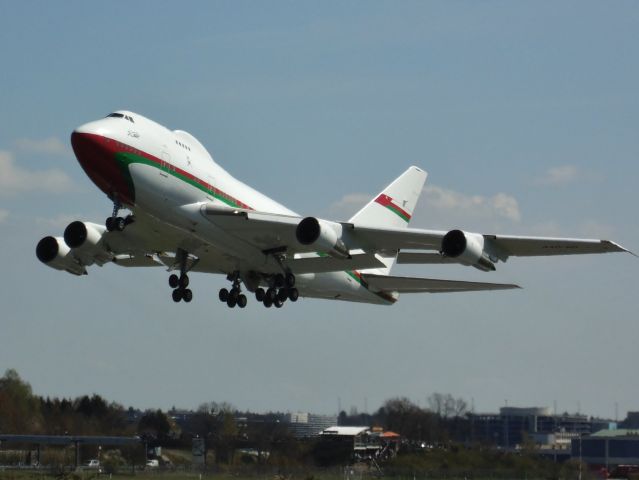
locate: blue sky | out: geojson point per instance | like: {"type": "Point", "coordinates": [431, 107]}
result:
{"type": "Point", "coordinates": [525, 115]}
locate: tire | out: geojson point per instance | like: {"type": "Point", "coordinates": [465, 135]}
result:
{"type": "Point", "coordinates": [119, 224]}
{"type": "Point", "coordinates": [109, 224]}
{"type": "Point", "coordinates": [293, 294]}
{"type": "Point", "coordinates": [289, 280]}
{"type": "Point", "coordinates": [184, 280]}
{"type": "Point", "coordinates": [187, 295]}
{"type": "Point", "coordinates": [282, 294]}
{"type": "Point", "coordinates": [231, 301]}
{"type": "Point", "coordinates": [177, 295]}
{"type": "Point", "coordinates": [277, 303]}
{"type": "Point", "coordinates": [268, 303]}
{"type": "Point", "coordinates": [241, 300]}
{"type": "Point", "coordinates": [223, 295]}
{"type": "Point", "coordinates": [260, 294]}
{"type": "Point", "coordinates": [174, 281]}
{"type": "Point", "coordinates": [271, 294]}
{"type": "Point", "coordinates": [279, 280]}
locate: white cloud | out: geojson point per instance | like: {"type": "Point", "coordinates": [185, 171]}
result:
{"type": "Point", "coordinates": [349, 204]}
{"type": "Point", "coordinates": [62, 220]}
{"type": "Point", "coordinates": [444, 208]}
{"type": "Point", "coordinates": [560, 175]}
{"type": "Point", "coordinates": [452, 203]}
{"type": "Point", "coordinates": [15, 179]}
{"type": "Point", "coordinates": [4, 214]}
{"type": "Point", "coordinates": [50, 146]}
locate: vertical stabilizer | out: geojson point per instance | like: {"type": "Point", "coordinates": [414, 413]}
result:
{"type": "Point", "coordinates": [393, 207]}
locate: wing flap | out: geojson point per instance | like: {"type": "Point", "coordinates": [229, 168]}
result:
{"type": "Point", "coordinates": [326, 264]}
{"type": "Point", "coordinates": [429, 285]}
{"type": "Point", "coordinates": [420, 258]}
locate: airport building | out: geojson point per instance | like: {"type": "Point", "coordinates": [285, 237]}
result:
{"type": "Point", "coordinates": [608, 448]}
{"type": "Point", "coordinates": [303, 424]}
{"type": "Point", "coordinates": [513, 425]}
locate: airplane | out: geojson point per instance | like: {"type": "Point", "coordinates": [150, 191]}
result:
{"type": "Point", "coordinates": [188, 214]}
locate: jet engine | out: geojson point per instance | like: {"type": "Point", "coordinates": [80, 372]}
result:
{"type": "Point", "coordinates": [53, 252]}
{"type": "Point", "coordinates": [467, 248]}
{"type": "Point", "coordinates": [323, 235]}
{"type": "Point", "coordinates": [85, 239]}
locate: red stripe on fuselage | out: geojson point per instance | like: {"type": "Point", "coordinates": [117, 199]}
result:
{"type": "Point", "coordinates": [96, 156]}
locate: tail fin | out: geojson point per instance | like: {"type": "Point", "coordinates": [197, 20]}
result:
{"type": "Point", "coordinates": [393, 207]}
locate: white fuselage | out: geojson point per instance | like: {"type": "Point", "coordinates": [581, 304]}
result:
{"type": "Point", "coordinates": [169, 175]}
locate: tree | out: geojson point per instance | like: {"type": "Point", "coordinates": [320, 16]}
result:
{"type": "Point", "coordinates": [19, 409]}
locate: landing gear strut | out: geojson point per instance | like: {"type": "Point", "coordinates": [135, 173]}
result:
{"type": "Point", "coordinates": [234, 296]}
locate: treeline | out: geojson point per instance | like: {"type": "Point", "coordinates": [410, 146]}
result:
{"type": "Point", "coordinates": [434, 439]}
{"type": "Point", "coordinates": [22, 412]}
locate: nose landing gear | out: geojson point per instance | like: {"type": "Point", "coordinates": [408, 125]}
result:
{"type": "Point", "coordinates": [115, 223]}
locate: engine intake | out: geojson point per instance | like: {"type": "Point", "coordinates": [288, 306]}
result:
{"type": "Point", "coordinates": [85, 239]}
{"type": "Point", "coordinates": [468, 248]}
{"type": "Point", "coordinates": [55, 253]}
{"type": "Point", "coordinates": [323, 235]}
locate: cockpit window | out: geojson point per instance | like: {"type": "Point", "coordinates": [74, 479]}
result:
{"type": "Point", "coordinates": [120, 115]}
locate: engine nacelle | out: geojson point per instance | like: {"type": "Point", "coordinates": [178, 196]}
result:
{"type": "Point", "coordinates": [467, 248]}
{"type": "Point", "coordinates": [53, 252]}
{"type": "Point", "coordinates": [323, 235]}
{"type": "Point", "coordinates": [85, 239]}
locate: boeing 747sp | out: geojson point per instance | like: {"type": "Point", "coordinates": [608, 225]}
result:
{"type": "Point", "coordinates": [189, 215]}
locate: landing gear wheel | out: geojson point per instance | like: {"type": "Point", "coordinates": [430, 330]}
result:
{"type": "Point", "coordinates": [184, 280]}
{"type": "Point", "coordinates": [241, 300]}
{"type": "Point", "coordinates": [109, 224]}
{"type": "Point", "coordinates": [224, 295]}
{"type": "Point", "coordinates": [174, 281]}
{"type": "Point", "coordinates": [260, 294]}
{"type": "Point", "coordinates": [271, 294]}
{"type": "Point", "coordinates": [279, 280]}
{"type": "Point", "coordinates": [289, 280]}
{"type": "Point", "coordinates": [187, 295]}
{"type": "Point", "coordinates": [177, 295]}
{"type": "Point", "coordinates": [119, 224]}
{"type": "Point", "coordinates": [293, 294]}
{"type": "Point", "coordinates": [231, 301]}
{"type": "Point", "coordinates": [278, 304]}
{"type": "Point", "coordinates": [268, 303]}
{"type": "Point", "coordinates": [282, 294]}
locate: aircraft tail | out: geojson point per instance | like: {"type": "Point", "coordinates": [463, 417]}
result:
{"type": "Point", "coordinates": [393, 208]}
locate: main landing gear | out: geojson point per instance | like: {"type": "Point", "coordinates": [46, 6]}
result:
{"type": "Point", "coordinates": [234, 296]}
{"type": "Point", "coordinates": [115, 223]}
{"type": "Point", "coordinates": [180, 283]}
{"type": "Point", "coordinates": [282, 289]}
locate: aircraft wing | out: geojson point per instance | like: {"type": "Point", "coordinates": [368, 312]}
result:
{"type": "Point", "coordinates": [541, 246]}
{"type": "Point", "coordinates": [429, 285]}
{"type": "Point", "coordinates": [269, 231]}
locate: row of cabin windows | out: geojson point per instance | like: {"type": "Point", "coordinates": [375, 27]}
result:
{"type": "Point", "coordinates": [120, 115]}
{"type": "Point", "coordinates": [183, 146]}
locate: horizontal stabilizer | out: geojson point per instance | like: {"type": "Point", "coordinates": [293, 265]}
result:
{"type": "Point", "coordinates": [429, 285]}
